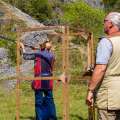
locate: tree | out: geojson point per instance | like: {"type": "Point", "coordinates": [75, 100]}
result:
{"type": "Point", "coordinates": [80, 14]}
{"type": "Point", "coordinates": [40, 9]}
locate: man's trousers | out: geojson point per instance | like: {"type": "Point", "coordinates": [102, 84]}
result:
{"type": "Point", "coordinates": [44, 105]}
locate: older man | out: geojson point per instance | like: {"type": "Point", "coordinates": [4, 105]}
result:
{"type": "Point", "coordinates": [105, 80]}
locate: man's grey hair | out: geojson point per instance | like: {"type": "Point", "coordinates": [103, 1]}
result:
{"type": "Point", "coordinates": [114, 17]}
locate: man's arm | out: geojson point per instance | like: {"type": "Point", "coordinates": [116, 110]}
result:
{"type": "Point", "coordinates": [27, 56]}
{"type": "Point", "coordinates": [104, 51]}
{"type": "Point", "coordinates": [97, 76]}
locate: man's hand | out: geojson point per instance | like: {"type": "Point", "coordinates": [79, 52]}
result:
{"type": "Point", "coordinates": [89, 98]}
{"type": "Point", "coordinates": [22, 46]}
{"type": "Point", "coordinates": [63, 78]}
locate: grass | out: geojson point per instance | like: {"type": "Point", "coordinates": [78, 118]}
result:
{"type": "Point", "coordinates": [77, 110]}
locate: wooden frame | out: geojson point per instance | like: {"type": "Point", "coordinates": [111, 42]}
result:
{"type": "Point", "coordinates": [65, 64]}
{"type": "Point", "coordinates": [64, 68]}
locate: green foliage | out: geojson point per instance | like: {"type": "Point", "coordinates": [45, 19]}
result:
{"type": "Point", "coordinates": [79, 41]}
{"type": "Point", "coordinates": [12, 53]}
{"type": "Point", "coordinates": [77, 110]}
{"type": "Point", "coordinates": [81, 15]}
{"type": "Point", "coordinates": [76, 62]}
{"type": "Point", "coordinates": [39, 9]}
{"type": "Point", "coordinates": [112, 5]}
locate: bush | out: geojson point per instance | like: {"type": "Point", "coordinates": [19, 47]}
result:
{"type": "Point", "coordinates": [40, 9]}
{"type": "Point", "coordinates": [81, 15]}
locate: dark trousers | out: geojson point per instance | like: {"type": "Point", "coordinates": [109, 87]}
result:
{"type": "Point", "coordinates": [44, 105]}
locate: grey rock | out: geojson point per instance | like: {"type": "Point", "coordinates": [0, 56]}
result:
{"type": "Point", "coordinates": [29, 21]}
{"type": "Point", "coordinates": [3, 53]}
{"type": "Point", "coordinates": [33, 38]}
{"type": "Point", "coordinates": [28, 38]}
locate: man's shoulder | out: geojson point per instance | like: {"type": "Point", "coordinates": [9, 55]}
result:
{"type": "Point", "coordinates": [104, 44]}
{"type": "Point", "coordinates": [101, 37]}
{"type": "Point", "coordinates": [104, 40]}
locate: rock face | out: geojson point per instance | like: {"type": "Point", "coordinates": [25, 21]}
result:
{"type": "Point", "coordinates": [65, 1]}
{"type": "Point", "coordinates": [5, 69]}
{"type": "Point", "coordinates": [3, 53]}
{"type": "Point", "coordinates": [95, 3]}
{"type": "Point", "coordinates": [18, 14]}
{"type": "Point", "coordinates": [3, 61]}
{"type": "Point", "coordinates": [29, 38]}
